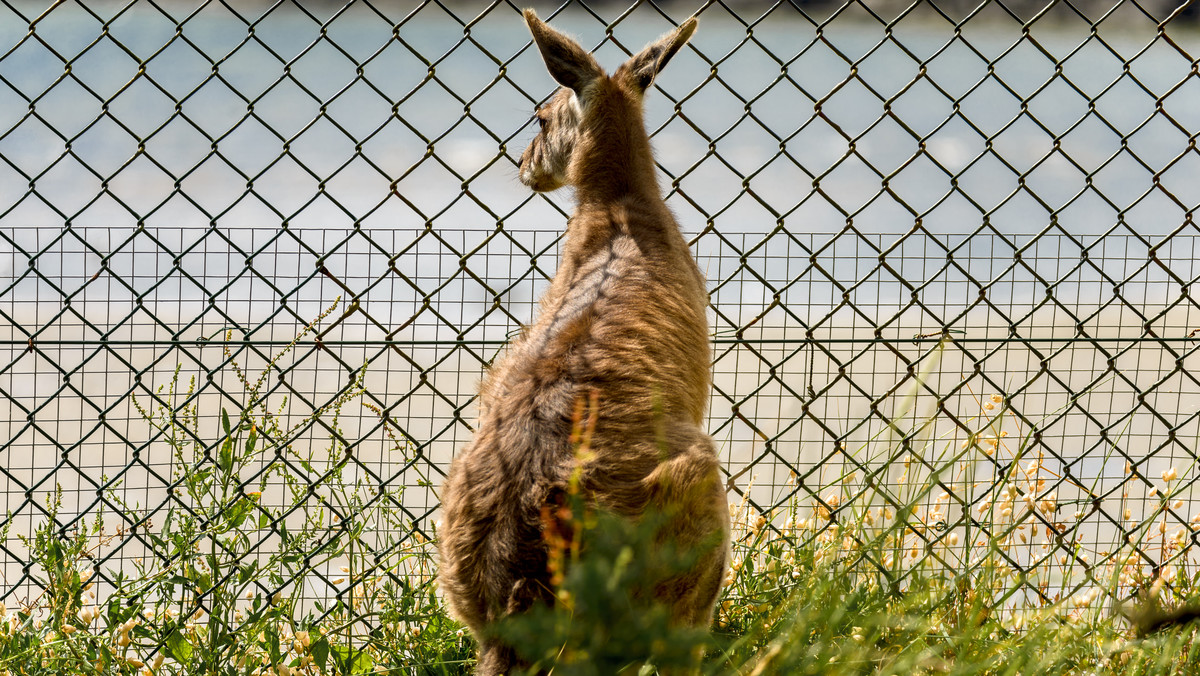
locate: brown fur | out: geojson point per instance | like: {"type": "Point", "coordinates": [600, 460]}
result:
{"type": "Point", "coordinates": [624, 318]}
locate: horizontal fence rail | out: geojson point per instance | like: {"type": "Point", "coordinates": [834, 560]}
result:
{"type": "Point", "coordinates": [947, 244]}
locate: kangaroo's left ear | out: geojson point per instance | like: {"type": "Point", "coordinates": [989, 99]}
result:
{"type": "Point", "coordinates": [569, 64]}
{"type": "Point", "coordinates": [643, 67]}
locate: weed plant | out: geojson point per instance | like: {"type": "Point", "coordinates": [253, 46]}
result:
{"type": "Point", "coordinates": [275, 557]}
{"type": "Point", "coordinates": [271, 553]}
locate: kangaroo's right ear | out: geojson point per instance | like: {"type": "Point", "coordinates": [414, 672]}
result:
{"type": "Point", "coordinates": [569, 64]}
{"type": "Point", "coordinates": [646, 64]}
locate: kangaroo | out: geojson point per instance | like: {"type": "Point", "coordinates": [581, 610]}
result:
{"type": "Point", "coordinates": [623, 322]}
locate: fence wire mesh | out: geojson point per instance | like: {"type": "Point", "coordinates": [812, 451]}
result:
{"type": "Point", "coordinates": [946, 242]}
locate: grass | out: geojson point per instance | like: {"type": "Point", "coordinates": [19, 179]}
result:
{"type": "Point", "coordinates": [276, 557]}
{"type": "Point", "coordinates": [790, 608]}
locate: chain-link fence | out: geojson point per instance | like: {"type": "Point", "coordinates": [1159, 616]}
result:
{"type": "Point", "coordinates": [950, 243]}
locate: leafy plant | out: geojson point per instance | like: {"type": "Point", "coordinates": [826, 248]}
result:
{"type": "Point", "coordinates": [270, 555]}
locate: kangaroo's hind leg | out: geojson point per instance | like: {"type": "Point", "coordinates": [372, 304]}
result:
{"type": "Point", "coordinates": [686, 489]}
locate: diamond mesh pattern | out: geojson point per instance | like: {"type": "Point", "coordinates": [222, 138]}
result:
{"type": "Point", "coordinates": [923, 226]}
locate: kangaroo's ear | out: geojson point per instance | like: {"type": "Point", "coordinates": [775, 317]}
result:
{"type": "Point", "coordinates": [569, 64]}
{"type": "Point", "coordinates": [644, 66]}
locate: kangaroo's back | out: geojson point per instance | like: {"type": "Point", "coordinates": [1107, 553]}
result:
{"type": "Point", "coordinates": [624, 324]}
{"type": "Point", "coordinates": [625, 314]}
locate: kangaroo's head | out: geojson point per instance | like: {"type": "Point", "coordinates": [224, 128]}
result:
{"type": "Point", "coordinates": [587, 92]}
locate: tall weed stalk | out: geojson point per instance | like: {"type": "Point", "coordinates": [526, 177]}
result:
{"type": "Point", "coordinates": [271, 552]}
